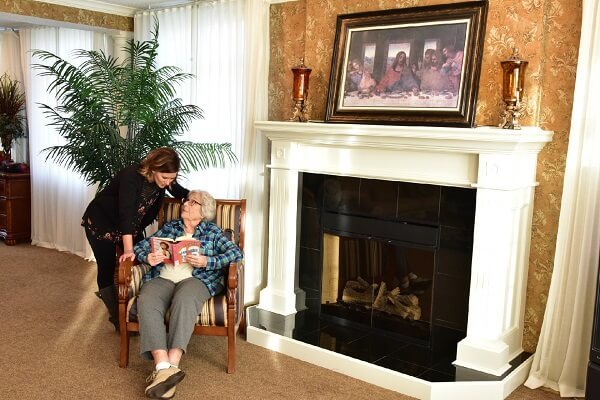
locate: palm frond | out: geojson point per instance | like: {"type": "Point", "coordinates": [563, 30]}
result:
{"type": "Point", "coordinates": [103, 97]}
{"type": "Point", "coordinates": [204, 155]}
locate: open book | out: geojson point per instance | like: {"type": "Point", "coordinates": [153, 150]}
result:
{"type": "Point", "coordinates": [175, 251]}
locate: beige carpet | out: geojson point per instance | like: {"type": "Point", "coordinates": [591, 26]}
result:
{"type": "Point", "coordinates": [57, 344]}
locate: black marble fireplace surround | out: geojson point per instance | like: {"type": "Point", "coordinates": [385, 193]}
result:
{"type": "Point", "coordinates": [417, 218]}
{"type": "Point", "coordinates": [430, 223]}
{"type": "Point", "coordinates": [428, 227]}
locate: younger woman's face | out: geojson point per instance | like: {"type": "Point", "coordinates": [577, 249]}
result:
{"type": "Point", "coordinates": [163, 179]}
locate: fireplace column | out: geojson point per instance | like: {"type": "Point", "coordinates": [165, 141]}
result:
{"type": "Point", "coordinates": [282, 294]}
{"type": "Point", "coordinates": [500, 261]}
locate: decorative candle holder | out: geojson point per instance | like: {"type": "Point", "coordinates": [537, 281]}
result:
{"type": "Point", "coordinates": [513, 82]}
{"type": "Point", "coordinates": [301, 74]}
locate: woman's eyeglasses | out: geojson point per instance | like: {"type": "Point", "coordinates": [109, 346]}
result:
{"type": "Point", "coordinates": [191, 201]}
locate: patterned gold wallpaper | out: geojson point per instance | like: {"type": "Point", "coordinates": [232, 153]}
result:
{"type": "Point", "coordinates": [546, 32]}
{"type": "Point", "coordinates": [66, 14]}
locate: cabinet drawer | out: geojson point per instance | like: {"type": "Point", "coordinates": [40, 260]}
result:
{"type": "Point", "coordinates": [15, 207]}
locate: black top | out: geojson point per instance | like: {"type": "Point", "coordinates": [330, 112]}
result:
{"type": "Point", "coordinates": [127, 205]}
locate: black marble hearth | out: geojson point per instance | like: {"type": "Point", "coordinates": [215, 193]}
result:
{"type": "Point", "coordinates": [406, 357]}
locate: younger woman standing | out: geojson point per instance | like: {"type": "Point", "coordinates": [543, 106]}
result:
{"type": "Point", "coordinates": [120, 212]}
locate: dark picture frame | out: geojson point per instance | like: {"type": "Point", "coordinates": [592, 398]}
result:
{"type": "Point", "coordinates": [412, 66]}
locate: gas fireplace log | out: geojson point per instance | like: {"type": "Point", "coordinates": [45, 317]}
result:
{"type": "Point", "coordinates": [407, 299]}
{"type": "Point", "coordinates": [360, 284]}
{"type": "Point", "coordinates": [354, 285]}
{"type": "Point", "coordinates": [410, 312]}
{"type": "Point", "coordinates": [352, 296]}
{"type": "Point", "coordinates": [413, 313]}
{"type": "Point", "coordinates": [379, 302]}
{"type": "Point", "coordinates": [363, 282]}
{"type": "Point", "coordinates": [355, 292]}
{"type": "Point", "coordinates": [392, 302]}
{"type": "Point", "coordinates": [359, 291]}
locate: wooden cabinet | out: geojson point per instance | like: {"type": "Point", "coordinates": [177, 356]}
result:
{"type": "Point", "coordinates": [15, 207]}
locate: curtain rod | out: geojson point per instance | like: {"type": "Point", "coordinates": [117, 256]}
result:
{"type": "Point", "coordinates": [170, 7]}
{"type": "Point", "coordinates": [197, 3]}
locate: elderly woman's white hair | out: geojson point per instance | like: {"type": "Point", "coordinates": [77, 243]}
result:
{"type": "Point", "coordinates": [207, 202]}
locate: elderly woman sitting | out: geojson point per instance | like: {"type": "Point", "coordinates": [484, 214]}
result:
{"type": "Point", "coordinates": [181, 288]}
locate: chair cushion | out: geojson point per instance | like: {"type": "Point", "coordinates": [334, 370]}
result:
{"type": "Point", "coordinates": [213, 313]}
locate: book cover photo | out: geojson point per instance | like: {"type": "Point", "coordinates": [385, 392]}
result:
{"type": "Point", "coordinates": [175, 251]}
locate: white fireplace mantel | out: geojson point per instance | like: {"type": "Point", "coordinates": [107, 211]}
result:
{"type": "Point", "coordinates": [499, 164]}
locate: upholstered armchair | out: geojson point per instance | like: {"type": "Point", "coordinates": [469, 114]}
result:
{"type": "Point", "coordinates": [221, 315]}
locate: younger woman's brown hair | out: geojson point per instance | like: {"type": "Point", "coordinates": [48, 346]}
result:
{"type": "Point", "coordinates": [163, 159]}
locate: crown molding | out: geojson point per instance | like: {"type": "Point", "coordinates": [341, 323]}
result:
{"type": "Point", "coordinates": [94, 5]}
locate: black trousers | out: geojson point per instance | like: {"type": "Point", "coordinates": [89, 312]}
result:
{"type": "Point", "coordinates": [105, 252]}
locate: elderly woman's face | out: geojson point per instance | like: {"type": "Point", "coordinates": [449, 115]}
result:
{"type": "Point", "coordinates": [192, 208]}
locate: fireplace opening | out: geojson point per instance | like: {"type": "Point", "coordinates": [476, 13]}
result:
{"type": "Point", "coordinates": [389, 258]}
{"type": "Point", "coordinates": [378, 284]}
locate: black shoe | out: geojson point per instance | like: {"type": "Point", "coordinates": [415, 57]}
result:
{"type": "Point", "coordinates": [108, 295]}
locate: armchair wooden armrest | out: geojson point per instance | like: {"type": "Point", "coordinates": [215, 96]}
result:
{"type": "Point", "coordinates": [123, 282]}
{"type": "Point", "coordinates": [235, 269]}
{"type": "Point", "coordinates": [235, 293]}
{"type": "Point", "coordinates": [124, 279]}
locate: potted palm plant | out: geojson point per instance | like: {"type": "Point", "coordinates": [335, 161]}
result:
{"type": "Point", "coordinates": [112, 112]}
{"type": "Point", "coordinates": [12, 119]}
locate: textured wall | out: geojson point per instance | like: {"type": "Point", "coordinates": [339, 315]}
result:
{"type": "Point", "coordinates": [546, 32]}
{"type": "Point", "coordinates": [66, 14]}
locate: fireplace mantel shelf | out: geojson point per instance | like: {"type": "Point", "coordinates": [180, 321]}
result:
{"type": "Point", "coordinates": [484, 157]}
{"type": "Point", "coordinates": [499, 164]}
{"type": "Point", "coordinates": [473, 140]}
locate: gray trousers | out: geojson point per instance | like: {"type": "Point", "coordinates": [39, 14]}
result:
{"type": "Point", "coordinates": [184, 299]}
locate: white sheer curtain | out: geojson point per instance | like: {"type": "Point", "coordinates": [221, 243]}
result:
{"type": "Point", "coordinates": [255, 155]}
{"type": "Point", "coordinates": [59, 197]}
{"type": "Point", "coordinates": [225, 45]}
{"type": "Point", "coordinates": [207, 39]}
{"type": "Point", "coordinates": [562, 353]}
{"type": "Point", "coordinates": [10, 63]}
{"type": "Point", "coordinates": [10, 60]}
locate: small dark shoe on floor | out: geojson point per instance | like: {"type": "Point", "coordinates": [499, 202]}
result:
{"type": "Point", "coordinates": [162, 381]}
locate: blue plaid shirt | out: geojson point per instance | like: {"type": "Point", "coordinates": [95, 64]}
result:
{"type": "Point", "coordinates": [219, 250]}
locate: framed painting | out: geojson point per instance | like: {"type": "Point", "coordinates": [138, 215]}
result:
{"type": "Point", "coordinates": [412, 66]}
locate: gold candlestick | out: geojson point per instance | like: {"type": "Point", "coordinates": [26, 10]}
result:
{"type": "Point", "coordinates": [300, 94]}
{"type": "Point", "coordinates": [513, 82]}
